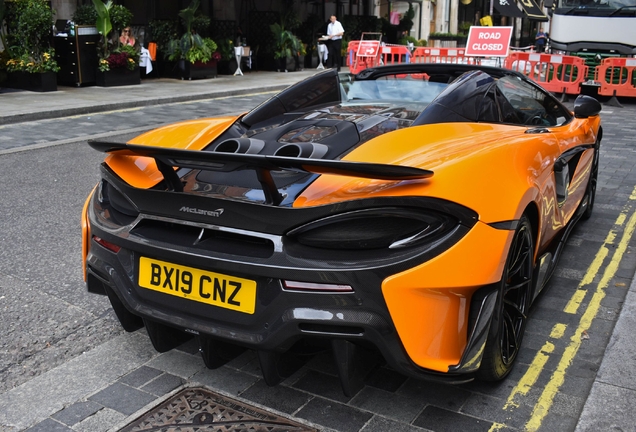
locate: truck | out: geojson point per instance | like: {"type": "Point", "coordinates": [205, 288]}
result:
{"type": "Point", "coordinates": [593, 30]}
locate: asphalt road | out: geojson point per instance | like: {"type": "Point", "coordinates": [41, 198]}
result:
{"type": "Point", "coordinates": [46, 172]}
{"type": "Point", "coordinates": [48, 318]}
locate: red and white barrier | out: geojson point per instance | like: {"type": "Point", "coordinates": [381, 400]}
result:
{"type": "Point", "coordinates": [617, 76]}
{"type": "Point", "coordinates": [555, 73]}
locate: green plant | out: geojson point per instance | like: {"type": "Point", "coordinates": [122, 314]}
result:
{"type": "Point", "coordinates": [406, 39]}
{"type": "Point", "coordinates": [226, 49]}
{"type": "Point", "coordinates": [191, 45]}
{"type": "Point", "coordinates": [45, 62]}
{"type": "Point", "coordinates": [464, 27]}
{"type": "Point", "coordinates": [84, 15]}
{"type": "Point", "coordinates": [286, 44]}
{"type": "Point", "coordinates": [120, 17]}
{"type": "Point", "coordinates": [201, 54]}
{"type": "Point", "coordinates": [29, 27]}
{"type": "Point", "coordinates": [28, 24]}
{"type": "Point", "coordinates": [406, 23]}
{"type": "Point", "coordinates": [124, 56]}
{"type": "Point", "coordinates": [104, 25]}
{"type": "Point", "coordinates": [422, 42]}
{"type": "Point", "coordinates": [201, 24]}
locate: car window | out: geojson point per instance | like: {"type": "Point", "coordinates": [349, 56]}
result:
{"type": "Point", "coordinates": [390, 88]}
{"type": "Point", "coordinates": [529, 105]}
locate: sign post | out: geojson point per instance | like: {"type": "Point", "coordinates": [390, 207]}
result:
{"type": "Point", "coordinates": [488, 41]}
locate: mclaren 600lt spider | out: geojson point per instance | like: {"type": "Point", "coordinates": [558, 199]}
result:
{"type": "Point", "coordinates": [413, 211]}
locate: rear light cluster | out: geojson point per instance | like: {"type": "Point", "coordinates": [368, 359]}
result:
{"type": "Point", "coordinates": [385, 228]}
{"type": "Point", "coordinates": [108, 245]}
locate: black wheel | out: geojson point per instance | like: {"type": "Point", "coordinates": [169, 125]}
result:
{"type": "Point", "coordinates": [590, 195]}
{"type": "Point", "coordinates": [513, 303]}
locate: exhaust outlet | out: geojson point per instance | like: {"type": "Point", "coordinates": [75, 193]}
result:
{"type": "Point", "coordinates": [240, 145]}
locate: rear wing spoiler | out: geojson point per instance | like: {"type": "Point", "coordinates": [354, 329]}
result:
{"type": "Point", "coordinates": [168, 158]}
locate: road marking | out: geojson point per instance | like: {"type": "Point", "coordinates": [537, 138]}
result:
{"type": "Point", "coordinates": [557, 379]}
{"type": "Point", "coordinates": [496, 427]}
{"type": "Point", "coordinates": [575, 301]}
{"type": "Point", "coordinates": [530, 377]}
{"type": "Point", "coordinates": [544, 403]}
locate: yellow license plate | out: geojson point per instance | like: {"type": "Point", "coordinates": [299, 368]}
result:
{"type": "Point", "coordinates": [216, 289]}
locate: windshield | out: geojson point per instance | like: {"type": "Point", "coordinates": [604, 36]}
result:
{"type": "Point", "coordinates": [610, 5]}
{"type": "Point", "coordinates": [415, 88]}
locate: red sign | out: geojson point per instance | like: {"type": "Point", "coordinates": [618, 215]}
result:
{"type": "Point", "coordinates": [368, 48]}
{"type": "Point", "coordinates": [488, 41]}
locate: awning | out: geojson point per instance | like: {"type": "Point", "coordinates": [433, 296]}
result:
{"type": "Point", "coordinates": [508, 8]}
{"type": "Point", "coordinates": [532, 10]}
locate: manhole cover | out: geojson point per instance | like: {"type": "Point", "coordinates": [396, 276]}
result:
{"type": "Point", "coordinates": [197, 409]}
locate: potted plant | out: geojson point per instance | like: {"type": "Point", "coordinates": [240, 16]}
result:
{"type": "Point", "coordinates": [118, 64]}
{"type": "Point", "coordinates": [31, 64]}
{"type": "Point", "coordinates": [194, 54]}
{"type": "Point", "coordinates": [287, 49]}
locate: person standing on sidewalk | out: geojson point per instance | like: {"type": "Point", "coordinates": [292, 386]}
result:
{"type": "Point", "coordinates": [335, 32]}
{"type": "Point", "coordinates": [539, 41]}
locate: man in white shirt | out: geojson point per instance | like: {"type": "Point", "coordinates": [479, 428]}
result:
{"type": "Point", "coordinates": [335, 32]}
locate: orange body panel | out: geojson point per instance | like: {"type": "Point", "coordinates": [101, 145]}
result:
{"type": "Point", "coordinates": [429, 303]}
{"type": "Point", "coordinates": [469, 160]}
{"type": "Point", "coordinates": [142, 172]}
{"type": "Point", "coordinates": [86, 231]}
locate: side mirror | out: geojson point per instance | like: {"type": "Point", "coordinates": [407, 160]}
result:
{"type": "Point", "coordinates": [586, 106]}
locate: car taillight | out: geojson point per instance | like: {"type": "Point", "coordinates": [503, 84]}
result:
{"type": "Point", "coordinates": [375, 229]}
{"type": "Point", "coordinates": [108, 245]}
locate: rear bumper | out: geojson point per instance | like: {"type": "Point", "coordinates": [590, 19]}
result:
{"type": "Point", "coordinates": [376, 312]}
{"type": "Point", "coordinates": [282, 318]}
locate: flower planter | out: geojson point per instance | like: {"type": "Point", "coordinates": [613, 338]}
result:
{"type": "Point", "coordinates": [197, 70]}
{"type": "Point", "coordinates": [38, 82]}
{"type": "Point", "coordinates": [118, 77]}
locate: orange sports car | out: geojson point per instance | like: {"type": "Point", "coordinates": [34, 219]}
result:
{"type": "Point", "coordinates": [413, 210]}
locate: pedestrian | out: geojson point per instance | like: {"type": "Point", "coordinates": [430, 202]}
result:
{"type": "Point", "coordinates": [127, 37]}
{"type": "Point", "coordinates": [335, 32]}
{"type": "Point", "coordinates": [540, 41]}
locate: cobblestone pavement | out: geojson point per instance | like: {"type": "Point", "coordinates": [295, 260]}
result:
{"type": "Point", "coordinates": [94, 377]}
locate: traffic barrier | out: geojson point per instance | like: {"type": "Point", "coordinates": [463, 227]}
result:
{"type": "Point", "coordinates": [358, 62]}
{"type": "Point", "coordinates": [442, 55]}
{"type": "Point", "coordinates": [393, 54]}
{"type": "Point", "coordinates": [555, 73]}
{"type": "Point", "coordinates": [617, 76]}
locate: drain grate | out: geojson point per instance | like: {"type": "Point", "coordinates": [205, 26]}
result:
{"type": "Point", "coordinates": [197, 409]}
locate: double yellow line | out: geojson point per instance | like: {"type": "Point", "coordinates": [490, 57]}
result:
{"type": "Point", "coordinates": [625, 223]}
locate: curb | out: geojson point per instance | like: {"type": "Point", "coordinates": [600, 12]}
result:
{"type": "Point", "coordinates": [111, 106]}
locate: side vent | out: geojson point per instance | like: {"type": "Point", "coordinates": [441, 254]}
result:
{"type": "Point", "coordinates": [302, 150]}
{"type": "Point", "coordinates": [240, 145]}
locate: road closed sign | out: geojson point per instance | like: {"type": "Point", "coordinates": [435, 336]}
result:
{"type": "Point", "coordinates": [488, 41]}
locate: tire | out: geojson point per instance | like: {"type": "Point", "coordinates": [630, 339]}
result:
{"type": "Point", "coordinates": [511, 312]}
{"type": "Point", "coordinates": [590, 195]}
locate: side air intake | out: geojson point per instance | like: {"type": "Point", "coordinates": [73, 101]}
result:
{"type": "Point", "coordinates": [302, 150]}
{"type": "Point", "coordinates": [240, 145]}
